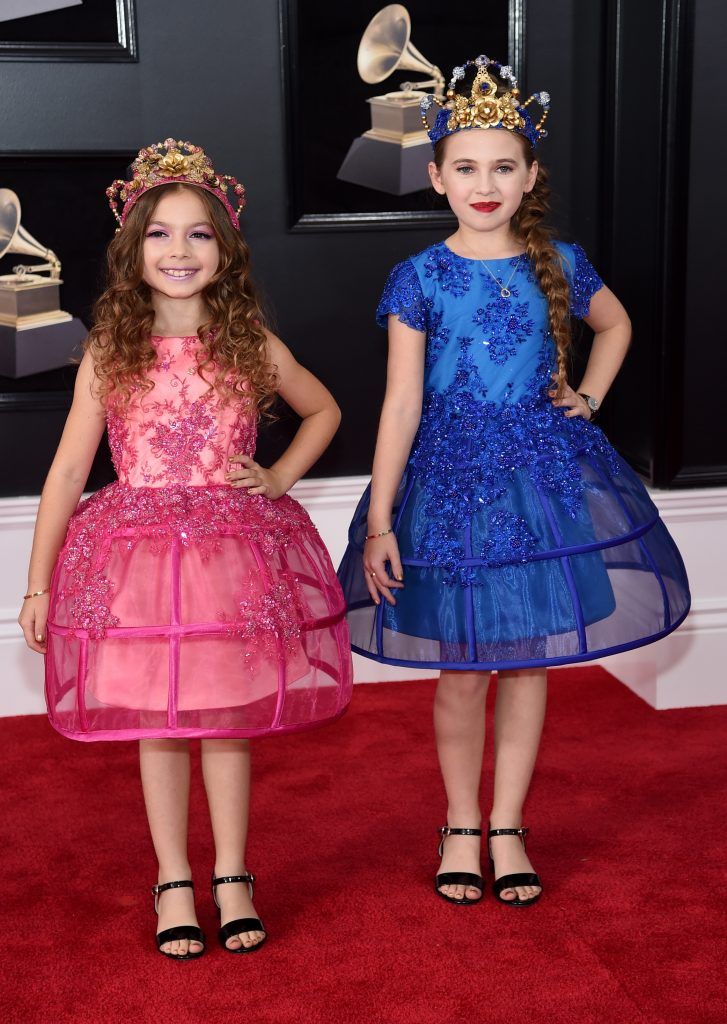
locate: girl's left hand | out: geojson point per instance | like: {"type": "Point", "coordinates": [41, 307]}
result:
{"type": "Point", "coordinates": [254, 478]}
{"type": "Point", "coordinates": [571, 401]}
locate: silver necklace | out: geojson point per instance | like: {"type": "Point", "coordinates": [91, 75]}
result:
{"type": "Point", "coordinates": [504, 288]}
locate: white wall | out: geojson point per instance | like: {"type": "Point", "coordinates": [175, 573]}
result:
{"type": "Point", "coordinates": [686, 669]}
{"type": "Point", "coordinates": [689, 667]}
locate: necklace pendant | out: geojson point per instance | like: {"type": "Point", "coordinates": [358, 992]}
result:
{"type": "Point", "coordinates": [505, 292]}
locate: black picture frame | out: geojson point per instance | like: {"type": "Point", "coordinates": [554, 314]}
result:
{"type": "Point", "coordinates": [298, 61]}
{"type": "Point", "coordinates": [108, 33]}
{"type": "Point", "coordinates": [64, 206]}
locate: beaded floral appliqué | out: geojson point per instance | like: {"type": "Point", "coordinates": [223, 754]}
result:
{"type": "Point", "coordinates": [267, 621]}
{"type": "Point", "coordinates": [449, 271]}
{"type": "Point", "coordinates": [584, 284]}
{"type": "Point", "coordinates": [180, 441]}
{"type": "Point", "coordinates": [505, 325]}
{"type": "Point", "coordinates": [437, 338]}
{"type": "Point", "coordinates": [403, 297]}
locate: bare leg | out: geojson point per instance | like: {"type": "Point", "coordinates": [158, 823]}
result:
{"type": "Point", "coordinates": [226, 770]}
{"type": "Point", "coordinates": [165, 782]}
{"type": "Point", "coordinates": [459, 725]}
{"type": "Point", "coordinates": [519, 714]}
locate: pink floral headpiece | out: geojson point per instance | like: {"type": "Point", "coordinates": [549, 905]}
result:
{"type": "Point", "coordinates": [171, 161]}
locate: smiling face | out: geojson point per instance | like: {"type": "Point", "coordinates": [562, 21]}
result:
{"type": "Point", "coordinates": [483, 173]}
{"type": "Point", "coordinates": [180, 250]}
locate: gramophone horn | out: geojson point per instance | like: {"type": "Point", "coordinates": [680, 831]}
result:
{"type": "Point", "coordinates": [15, 238]}
{"type": "Point", "coordinates": [9, 218]}
{"type": "Point", "coordinates": [385, 47]}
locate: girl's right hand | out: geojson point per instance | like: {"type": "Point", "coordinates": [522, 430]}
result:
{"type": "Point", "coordinates": [33, 618]}
{"type": "Point", "coordinates": [377, 552]}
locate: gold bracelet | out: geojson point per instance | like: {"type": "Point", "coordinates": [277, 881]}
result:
{"type": "Point", "coordinates": [384, 533]}
{"type": "Point", "coordinates": [36, 593]}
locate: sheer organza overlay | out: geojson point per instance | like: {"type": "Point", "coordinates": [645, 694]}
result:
{"type": "Point", "coordinates": [525, 538]}
{"type": "Point", "coordinates": [181, 606]}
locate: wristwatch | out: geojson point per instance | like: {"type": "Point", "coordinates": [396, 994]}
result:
{"type": "Point", "coordinates": [593, 404]}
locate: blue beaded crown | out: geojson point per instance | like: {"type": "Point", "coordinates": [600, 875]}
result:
{"type": "Point", "coordinates": [483, 108]}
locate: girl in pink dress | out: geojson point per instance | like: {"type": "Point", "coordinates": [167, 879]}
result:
{"type": "Point", "coordinates": [193, 597]}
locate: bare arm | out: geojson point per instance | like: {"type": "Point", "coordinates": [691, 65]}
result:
{"type": "Point", "coordinates": [610, 322]}
{"type": "Point", "coordinates": [321, 416]}
{"type": "Point", "coordinates": [400, 416]}
{"type": "Point", "coordinates": [63, 487]}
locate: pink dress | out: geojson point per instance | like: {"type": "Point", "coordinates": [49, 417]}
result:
{"type": "Point", "coordinates": [181, 606]}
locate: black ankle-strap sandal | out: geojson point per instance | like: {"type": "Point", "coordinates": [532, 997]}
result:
{"type": "Point", "coordinates": [511, 881]}
{"type": "Point", "coordinates": [465, 878]}
{"type": "Point", "coordinates": [182, 931]}
{"type": "Point", "coordinates": [242, 924]}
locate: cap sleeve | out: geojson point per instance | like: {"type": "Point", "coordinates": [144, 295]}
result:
{"type": "Point", "coordinates": [404, 298]}
{"type": "Point", "coordinates": [585, 283]}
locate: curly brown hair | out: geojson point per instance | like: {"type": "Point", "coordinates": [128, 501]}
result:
{"type": "Point", "coordinates": [233, 340]}
{"type": "Point", "coordinates": [530, 228]}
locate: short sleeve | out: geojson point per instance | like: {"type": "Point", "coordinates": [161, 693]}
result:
{"type": "Point", "coordinates": [404, 298]}
{"type": "Point", "coordinates": [585, 283]}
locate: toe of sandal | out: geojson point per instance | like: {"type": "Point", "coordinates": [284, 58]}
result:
{"type": "Point", "coordinates": [183, 931]}
{"type": "Point", "coordinates": [465, 878]}
{"type": "Point", "coordinates": [242, 924]}
{"type": "Point", "coordinates": [517, 881]}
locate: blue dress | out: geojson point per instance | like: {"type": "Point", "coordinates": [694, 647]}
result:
{"type": "Point", "coordinates": [526, 540]}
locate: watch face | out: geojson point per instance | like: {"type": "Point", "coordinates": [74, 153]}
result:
{"type": "Point", "coordinates": [592, 404]}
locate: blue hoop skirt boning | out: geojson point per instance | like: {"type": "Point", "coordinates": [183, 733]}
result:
{"type": "Point", "coordinates": [526, 540]}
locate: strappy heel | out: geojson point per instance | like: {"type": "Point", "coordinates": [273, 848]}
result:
{"type": "Point", "coordinates": [518, 879]}
{"type": "Point", "coordinates": [242, 924]}
{"type": "Point", "coordinates": [182, 931]}
{"type": "Point", "coordinates": [465, 878]}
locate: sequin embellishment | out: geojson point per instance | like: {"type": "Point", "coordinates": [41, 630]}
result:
{"type": "Point", "coordinates": [585, 283]}
{"type": "Point", "coordinates": [403, 297]}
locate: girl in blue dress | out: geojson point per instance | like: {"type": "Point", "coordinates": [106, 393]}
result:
{"type": "Point", "coordinates": [501, 531]}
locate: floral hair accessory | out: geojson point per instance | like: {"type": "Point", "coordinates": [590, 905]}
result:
{"type": "Point", "coordinates": [483, 108]}
{"type": "Point", "coordinates": [172, 161]}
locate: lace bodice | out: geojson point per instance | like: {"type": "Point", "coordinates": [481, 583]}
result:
{"type": "Point", "coordinates": [180, 432]}
{"type": "Point", "coordinates": [494, 349]}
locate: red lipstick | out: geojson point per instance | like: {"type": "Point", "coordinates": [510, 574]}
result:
{"type": "Point", "coordinates": [484, 207]}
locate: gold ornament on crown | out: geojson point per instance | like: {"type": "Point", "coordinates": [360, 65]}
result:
{"type": "Point", "coordinates": [483, 108]}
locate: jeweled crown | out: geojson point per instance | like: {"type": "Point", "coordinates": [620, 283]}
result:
{"type": "Point", "coordinates": [483, 108]}
{"type": "Point", "coordinates": [172, 161]}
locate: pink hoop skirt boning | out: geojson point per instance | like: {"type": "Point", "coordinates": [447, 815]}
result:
{"type": "Point", "coordinates": [181, 606]}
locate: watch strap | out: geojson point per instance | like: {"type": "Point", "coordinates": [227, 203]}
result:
{"type": "Point", "coordinates": [592, 403]}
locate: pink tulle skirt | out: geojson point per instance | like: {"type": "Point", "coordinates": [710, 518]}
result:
{"type": "Point", "coordinates": [193, 612]}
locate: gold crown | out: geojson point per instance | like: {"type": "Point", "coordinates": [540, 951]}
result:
{"type": "Point", "coordinates": [174, 161]}
{"type": "Point", "coordinates": [483, 108]}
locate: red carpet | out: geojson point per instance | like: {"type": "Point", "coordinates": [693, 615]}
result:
{"type": "Point", "coordinates": [626, 812]}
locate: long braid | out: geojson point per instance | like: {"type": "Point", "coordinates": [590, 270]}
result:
{"type": "Point", "coordinates": [529, 226]}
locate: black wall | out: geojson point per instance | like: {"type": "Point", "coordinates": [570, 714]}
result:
{"type": "Point", "coordinates": [662, 224]}
{"type": "Point", "coordinates": [217, 81]}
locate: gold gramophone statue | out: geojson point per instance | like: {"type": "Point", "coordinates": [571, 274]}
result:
{"type": "Point", "coordinates": [392, 156]}
{"type": "Point", "coordinates": [35, 333]}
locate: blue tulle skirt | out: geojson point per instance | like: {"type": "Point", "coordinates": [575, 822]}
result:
{"type": "Point", "coordinates": [531, 579]}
